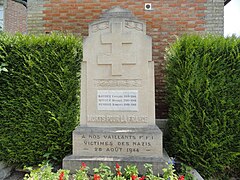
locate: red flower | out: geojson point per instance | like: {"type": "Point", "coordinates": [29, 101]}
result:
{"type": "Point", "coordinates": [119, 173]}
{"type": "Point", "coordinates": [117, 166]}
{"type": "Point", "coordinates": [134, 177]}
{"type": "Point", "coordinates": [142, 178]}
{"type": "Point", "coordinates": [61, 175]}
{"type": "Point", "coordinates": [83, 166]}
{"type": "Point", "coordinates": [118, 169]}
{"type": "Point", "coordinates": [96, 177]}
{"type": "Point", "coordinates": [181, 177]}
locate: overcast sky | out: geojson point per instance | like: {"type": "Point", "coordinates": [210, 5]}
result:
{"type": "Point", "coordinates": [232, 18]}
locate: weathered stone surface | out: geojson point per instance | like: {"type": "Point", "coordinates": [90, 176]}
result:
{"type": "Point", "coordinates": [5, 170]}
{"type": "Point", "coordinates": [117, 12]}
{"type": "Point", "coordinates": [3, 164]}
{"type": "Point", "coordinates": [118, 142]}
{"type": "Point", "coordinates": [117, 97]}
{"type": "Point", "coordinates": [117, 74]}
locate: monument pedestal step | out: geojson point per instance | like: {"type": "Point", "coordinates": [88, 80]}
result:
{"type": "Point", "coordinates": [73, 163]}
{"type": "Point", "coordinates": [117, 141]}
{"type": "Point", "coordinates": [108, 145]}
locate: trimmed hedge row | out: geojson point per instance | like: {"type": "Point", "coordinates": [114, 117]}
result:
{"type": "Point", "coordinates": [39, 106]}
{"type": "Point", "coordinates": [203, 82]}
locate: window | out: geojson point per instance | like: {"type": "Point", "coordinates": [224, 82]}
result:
{"type": "Point", "coordinates": [1, 16]}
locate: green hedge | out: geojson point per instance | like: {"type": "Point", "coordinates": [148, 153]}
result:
{"type": "Point", "coordinates": [39, 102]}
{"type": "Point", "coordinates": [203, 82]}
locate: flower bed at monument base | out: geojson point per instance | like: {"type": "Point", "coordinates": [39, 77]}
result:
{"type": "Point", "coordinates": [45, 172]}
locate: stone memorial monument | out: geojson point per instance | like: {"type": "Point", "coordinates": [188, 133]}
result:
{"type": "Point", "coordinates": [117, 97]}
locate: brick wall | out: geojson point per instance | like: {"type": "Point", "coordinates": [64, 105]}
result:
{"type": "Point", "coordinates": [35, 16]}
{"type": "Point", "coordinates": [214, 16]}
{"type": "Point", "coordinates": [167, 19]}
{"type": "Point", "coordinates": [15, 17]}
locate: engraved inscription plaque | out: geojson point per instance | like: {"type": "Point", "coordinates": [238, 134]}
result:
{"type": "Point", "coordinates": [119, 142]}
{"type": "Point", "coordinates": [118, 83]}
{"type": "Point", "coordinates": [123, 144]}
{"type": "Point", "coordinates": [117, 100]}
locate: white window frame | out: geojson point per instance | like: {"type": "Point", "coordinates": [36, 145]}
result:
{"type": "Point", "coordinates": [2, 8]}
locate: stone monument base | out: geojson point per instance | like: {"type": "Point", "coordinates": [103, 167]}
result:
{"type": "Point", "coordinates": [125, 145]}
{"type": "Point", "coordinates": [73, 163]}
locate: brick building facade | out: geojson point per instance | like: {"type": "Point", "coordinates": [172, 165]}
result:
{"type": "Point", "coordinates": [166, 19]}
{"type": "Point", "coordinates": [14, 17]}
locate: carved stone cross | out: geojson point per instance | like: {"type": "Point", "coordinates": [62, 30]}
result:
{"type": "Point", "coordinates": [117, 57]}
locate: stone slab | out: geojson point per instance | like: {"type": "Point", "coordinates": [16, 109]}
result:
{"type": "Point", "coordinates": [117, 120]}
{"type": "Point", "coordinates": [3, 165]}
{"type": "Point", "coordinates": [196, 175]}
{"type": "Point", "coordinates": [5, 170]}
{"type": "Point", "coordinates": [73, 163]}
{"type": "Point", "coordinates": [117, 60]}
{"type": "Point", "coordinates": [118, 142]}
{"type": "Point", "coordinates": [162, 124]}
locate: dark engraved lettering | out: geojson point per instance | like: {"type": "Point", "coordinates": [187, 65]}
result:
{"type": "Point", "coordinates": [119, 137]}
{"type": "Point", "coordinates": [132, 150]}
{"type": "Point", "coordinates": [96, 143]}
{"type": "Point", "coordinates": [94, 136]}
{"type": "Point", "coordinates": [116, 149]}
{"type": "Point", "coordinates": [113, 143]}
{"type": "Point", "coordinates": [123, 143]}
{"type": "Point", "coordinates": [118, 83]}
{"type": "Point", "coordinates": [117, 118]}
{"type": "Point", "coordinates": [141, 144]}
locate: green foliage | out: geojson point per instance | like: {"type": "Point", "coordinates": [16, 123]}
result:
{"type": "Point", "coordinates": [169, 172]}
{"type": "Point", "coordinates": [203, 81]}
{"type": "Point", "coordinates": [44, 172]}
{"type": "Point", "coordinates": [186, 171]}
{"type": "Point", "coordinates": [104, 172]}
{"type": "Point", "coordinates": [82, 173]}
{"type": "Point", "coordinates": [39, 102]}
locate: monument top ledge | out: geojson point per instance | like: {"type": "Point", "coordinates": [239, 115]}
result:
{"type": "Point", "coordinates": [114, 15]}
{"type": "Point", "coordinates": [117, 12]}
